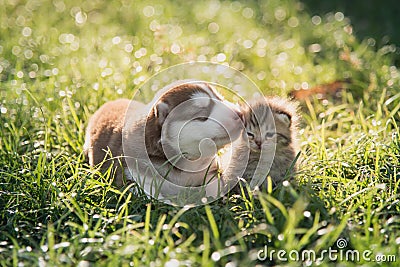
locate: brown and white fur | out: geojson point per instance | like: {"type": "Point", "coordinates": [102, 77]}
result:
{"type": "Point", "coordinates": [271, 127]}
{"type": "Point", "coordinates": [178, 133]}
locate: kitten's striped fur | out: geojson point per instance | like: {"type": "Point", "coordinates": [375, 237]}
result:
{"type": "Point", "coordinates": [271, 124]}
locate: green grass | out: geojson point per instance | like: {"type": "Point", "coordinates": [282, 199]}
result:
{"type": "Point", "coordinates": [55, 72]}
{"type": "Point", "coordinates": [372, 19]}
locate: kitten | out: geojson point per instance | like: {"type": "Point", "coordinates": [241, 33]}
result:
{"type": "Point", "coordinates": [271, 126]}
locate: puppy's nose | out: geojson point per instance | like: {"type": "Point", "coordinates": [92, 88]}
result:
{"type": "Point", "coordinates": [235, 108]}
{"type": "Point", "coordinates": [238, 112]}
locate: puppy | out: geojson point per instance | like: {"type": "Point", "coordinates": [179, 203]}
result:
{"type": "Point", "coordinates": [175, 136]}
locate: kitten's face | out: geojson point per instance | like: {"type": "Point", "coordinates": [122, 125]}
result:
{"type": "Point", "coordinates": [267, 128]}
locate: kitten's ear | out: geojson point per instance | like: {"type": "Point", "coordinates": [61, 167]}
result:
{"type": "Point", "coordinates": [285, 118]}
{"type": "Point", "coordinates": [161, 111]}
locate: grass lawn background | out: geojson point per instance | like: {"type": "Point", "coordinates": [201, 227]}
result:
{"type": "Point", "coordinates": [370, 18]}
{"type": "Point", "coordinates": [60, 60]}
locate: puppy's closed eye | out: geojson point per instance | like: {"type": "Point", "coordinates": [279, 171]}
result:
{"type": "Point", "coordinates": [201, 119]}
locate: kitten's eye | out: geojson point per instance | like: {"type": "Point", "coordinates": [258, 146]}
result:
{"type": "Point", "coordinates": [201, 118]}
{"type": "Point", "coordinates": [250, 135]}
{"type": "Point", "coordinates": [269, 135]}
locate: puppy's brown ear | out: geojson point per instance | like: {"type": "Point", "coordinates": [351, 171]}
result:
{"type": "Point", "coordinates": [161, 111]}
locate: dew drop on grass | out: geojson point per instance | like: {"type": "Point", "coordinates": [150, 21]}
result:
{"type": "Point", "coordinates": [308, 262]}
{"type": "Point", "coordinates": [293, 22]}
{"type": "Point", "coordinates": [115, 237]}
{"type": "Point", "coordinates": [103, 63]}
{"type": "Point", "coordinates": [248, 44]}
{"type": "Point", "coordinates": [20, 21]}
{"type": "Point", "coordinates": [26, 31]}
{"type": "Point", "coordinates": [236, 6]}
{"type": "Point", "coordinates": [316, 20]}
{"type": "Point", "coordinates": [304, 85]}
{"type": "Point", "coordinates": [148, 11]}
{"type": "Point", "coordinates": [339, 16]}
{"type": "Point", "coordinates": [138, 54]}
{"type": "Point", "coordinates": [59, 5]}
{"type": "Point", "coordinates": [74, 46]}
{"type": "Point", "coordinates": [47, 73]}
{"type": "Point", "coordinates": [172, 263]}
{"type": "Point", "coordinates": [262, 43]}
{"type": "Point", "coordinates": [62, 245]}
{"type": "Point", "coordinates": [116, 40]}
{"type": "Point", "coordinates": [261, 75]}
{"type": "Point", "coordinates": [280, 14]}
{"type": "Point", "coordinates": [215, 256]}
{"type": "Point", "coordinates": [80, 18]}
{"type": "Point", "coordinates": [175, 48]}
{"type": "Point", "coordinates": [322, 231]}
{"type": "Point", "coordinates": [213, 27]}
{"type": "Point", "coordinates": [275, 72]}
{"type": "Point", "coordinates": [314, 48]}
{"type": "Point", "coordinates": [154, 26]}
{"type": "Point", "coordinates": [289, 44]}
{"type": "Point", "coordinates": [128, 48]}
{"type": "Point", "coordinates": [83, 264]}
{"type": "Point", "coordinates": [221, 57]}
{"type": "Point", "coordinates": [32, 74]}
{"type": "Point", "coordinates": [20, 74]}
{"type": "Point", "coordinates": [282, 57]}
{"type": "Point", "coordinates": [247, 13]}
{"type": "Point", "coordinates": [66, 38]}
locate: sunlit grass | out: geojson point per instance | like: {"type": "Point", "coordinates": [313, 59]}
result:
{"type": "Point", "coordinates": [59, 61]}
